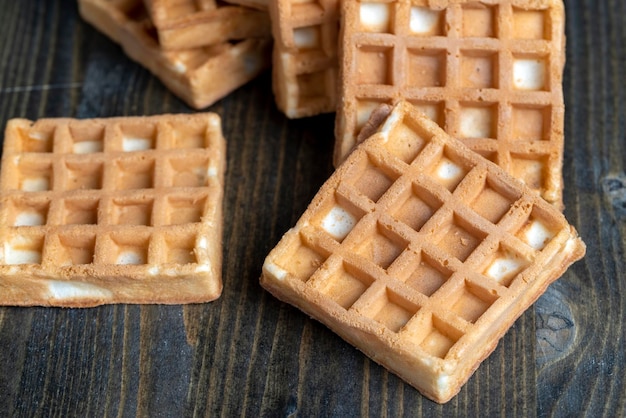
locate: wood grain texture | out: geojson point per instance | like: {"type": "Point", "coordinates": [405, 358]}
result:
{"type": "Point", "coordinates": [248, 354]}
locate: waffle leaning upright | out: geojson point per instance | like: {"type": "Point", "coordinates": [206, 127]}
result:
{"type": "Point", "coordinates": [489, 72]}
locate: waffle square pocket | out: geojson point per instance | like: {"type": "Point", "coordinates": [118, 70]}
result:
{"type": "Point", "coordinates": [421, 253]}
{"type": "Point", "coordinates": [118, 210]}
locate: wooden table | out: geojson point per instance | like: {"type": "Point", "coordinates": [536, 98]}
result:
{"type": "Point", "coordinates": [247, 354]}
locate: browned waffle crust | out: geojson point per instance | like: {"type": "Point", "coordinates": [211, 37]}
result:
{"type": "Point", "coordinates": [488, 72]}
{"type": "Point", "coordinates": [120, 210]}
{"type": "Point", "coordinates": [190, 24]}
{"type": "Point", "coordinates": [199, 76]}
{"type": "Point", "coordinates": [421, 253]}
{"type": "Point", "coordinates": [304, 72]}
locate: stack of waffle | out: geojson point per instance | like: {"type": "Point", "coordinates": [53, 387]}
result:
{"type": "Point", "coordinates": [200, 49]}
{"type": "Point", "coordinates": [304, 74]}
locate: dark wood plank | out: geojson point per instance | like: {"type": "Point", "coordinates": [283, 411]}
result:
{"type": "Point", "coordinates": [249, 354]}
{"type": "Point", "coordinates": [581, 319]}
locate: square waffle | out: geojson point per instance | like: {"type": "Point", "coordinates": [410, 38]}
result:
{"type": "Point", "coordinates": [304, 72]}
{"type": "Point", "coordinates": [421, 253]}
{"type": "Point", "coordinates": [187, 24]}
{"type": "Point", "coordinates": [120, 210]}
{"type": "Point", "coordinates": [199, 76]}
{"type": "Point", "coordinates": [489, 72]}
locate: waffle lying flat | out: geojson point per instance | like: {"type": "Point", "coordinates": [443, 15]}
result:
{"type": "Point", "coordinates": [489, 72]}
{"type": "Point", "coordinates": [421, 253]}
{"type": "Point", "coordinates": [120, 210]}
{"type": "Point", "coordinates": [199, 76]}
{"type": "Point", "coordinates": [194, 23]}
{"type": "Point", "coordinates": [304, 72]}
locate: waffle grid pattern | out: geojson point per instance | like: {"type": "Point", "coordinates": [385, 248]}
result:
{"type": "Point", "coordinates": [427, 246]}
{"type": "Point", "coordinates": [123, 197]}
{"type": "Point", "coordinates": [488, 72]}
{"type": "Point", "coordinates": [305, 56]}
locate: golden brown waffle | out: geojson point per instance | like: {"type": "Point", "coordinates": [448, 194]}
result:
{"type": "Point", "coordinates": [488, 72]}
{"type": "Point", "coordinates": [304, 72]}
{"type": "Point", "coordinates": [186, 24]}
{"type": "Point", "coordinates": [120, 210]}
{"type": "Point", "coordinates": [199, 76]}
{"type": "Point", "coordinates": [421, 253]}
